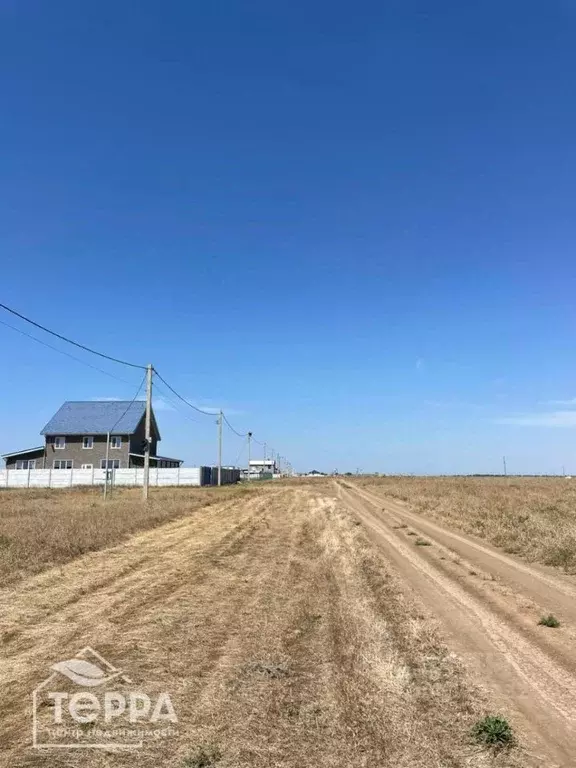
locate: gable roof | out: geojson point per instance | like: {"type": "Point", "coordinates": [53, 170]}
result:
{"type": "Point", "coordinates": [97, 417]}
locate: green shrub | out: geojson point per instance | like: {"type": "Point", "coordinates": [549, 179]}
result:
{"type": "Point", "coordinates": [493, 731]}
{"type": "Point", "coordinates": [549, 621]}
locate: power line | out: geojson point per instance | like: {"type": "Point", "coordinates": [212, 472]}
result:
{"type": "Point", "coordinates": [129, 406]}
{"type": "Point", "coordinates": [206, 413]}
{"type": "Point", "coordinates": [69, 341]}
{"type": "Point", "coordinates": [106, 357]}
{"type": "Point", "coordinates": [240, 434]}
{"type": "Point", "coordinates": [199, 410]}
{"type": "Point", "coordinates": [63, 352]}
{"type": "Point", "coordinates": [177, 406]}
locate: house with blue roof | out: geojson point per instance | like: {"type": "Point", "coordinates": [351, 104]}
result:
{"type": "Point", "coordinates": [82, 433]}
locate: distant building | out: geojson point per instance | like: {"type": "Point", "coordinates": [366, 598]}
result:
{"type": "Point", "coordinates": [261, 466]}
{"type": "Point", "coordinates": [77, 434]}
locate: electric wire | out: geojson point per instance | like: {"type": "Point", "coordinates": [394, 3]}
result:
{"type": "Point", "coordinates": [239, 434]}
{"type": "Point", "coordinates": [70, 341]}
{"type": "Point", "coordinates": [176, 405]}
{"type": "Point", "coordinates": [129, 405]}
{"type": "Point", "coordinates": [107, 373]}
{"type": "Point", "coordinates": [206, 413]}
{"type": "Point", "coordinates": [63, 352]}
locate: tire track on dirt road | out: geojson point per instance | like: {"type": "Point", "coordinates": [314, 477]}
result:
{"type": "Point", "coordinates": [521, 592]}
{"type": "Point", "coordinates": [533, 679]}
{"type": "Point", "coordinates": [542, 584]}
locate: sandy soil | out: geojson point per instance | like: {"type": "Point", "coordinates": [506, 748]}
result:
{"type": "Point", "coordinates": [284, 638]}
{"type": "Point", "coordinates": [489, 604]}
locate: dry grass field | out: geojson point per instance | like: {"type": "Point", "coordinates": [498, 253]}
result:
{"type": "Point", "coordinates": [283, 635]}
{"type": "Point", "coordinates": [534, 518]}
{"type": "Point", "coordinates": [299, 623]}
{"type": "Point", "coordinates": [43, 528]}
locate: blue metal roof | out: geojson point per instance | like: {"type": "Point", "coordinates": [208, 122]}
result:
{"type": "Point", "coordinates": [96, 417]}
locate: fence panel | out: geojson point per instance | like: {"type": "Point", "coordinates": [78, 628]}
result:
{"type": "Point", "coordinates": [66, 478]}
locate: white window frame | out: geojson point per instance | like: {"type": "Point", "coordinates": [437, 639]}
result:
{"type": "Point", "coordinates": [91, 439]}
{"type": "Point", "coordinates": [30, 464]}
{"type": "Point", "coordinates": [62, 461]}
{"type": "Point", "coordinates": [111, 462]}
{"type": "Point", "coordinates": [59, 446]}
{"type": "Point", "coordinates": [115, 442]}
{"type": "Point", "coordinates": [87, 466]}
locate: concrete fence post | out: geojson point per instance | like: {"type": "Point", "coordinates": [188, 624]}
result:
{"type": "Point", "coordinates": [28, 483]}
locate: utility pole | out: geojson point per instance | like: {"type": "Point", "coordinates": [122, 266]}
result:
{"type": "Point", "coordinates": [249, 452]}
{"type": "Point", "coordinates": [220, 448]}
{"type": "Point", "coordinates": [279, 465]}
{"type": "Point", "coordinates": [106, 464]}
{"type": "Point", "coordinates": [504, 463]}
{"type": "Point", "coordinates": [147, 427]}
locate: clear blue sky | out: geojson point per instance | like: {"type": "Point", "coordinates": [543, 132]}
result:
{"type": "Point", "coordinates": [352, 225]}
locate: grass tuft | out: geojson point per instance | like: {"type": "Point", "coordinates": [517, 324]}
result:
{"type": "Point", "coordinates": [270, 669]}
{"type": "Point", "coordinates": [493, 731]}
{"type": "Point", "coordinates": [422, 543]}
{"type": "Point", "coordinates": [549, 621]}
{"type": "Point", "coordinates": [203, 757]}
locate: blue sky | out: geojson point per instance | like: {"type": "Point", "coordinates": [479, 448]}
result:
{"type": "Point", "coordinates": [352, 226]}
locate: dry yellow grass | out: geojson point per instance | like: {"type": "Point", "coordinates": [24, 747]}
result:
{"type": "Point", "coordinates": [282, 635]}
{"type": "Point", "coordinates": [42, 528]}
{"type": "Point", "coordinates": [531, 517]}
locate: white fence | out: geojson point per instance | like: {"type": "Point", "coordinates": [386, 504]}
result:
{"type": "Point", "coordinates": [67, 478]}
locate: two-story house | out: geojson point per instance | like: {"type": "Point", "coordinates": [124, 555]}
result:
{"type": "Point", "coordinates": [80, 433]}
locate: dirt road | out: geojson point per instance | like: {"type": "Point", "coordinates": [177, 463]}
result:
{"type": "Point", "coordinates": [281, 633]}
{"type": "Point", "coordinates": [489, 604]}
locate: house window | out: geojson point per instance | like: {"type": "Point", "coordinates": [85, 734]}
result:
{"type": "Point", "coordinates": [87, 466]}
{"type": "Point", "coordinates": [112, 464]}
{"type": "Point", "coordinates": [63, 463]}
{"type": "Point", "coordinates": [87, 442]}
{"type": "Point", "coordinates": [26, 464]}
{"type": "Point", "coordinates": [115, 441]}
{"type": "Point", "coordinates": [59, 442]}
